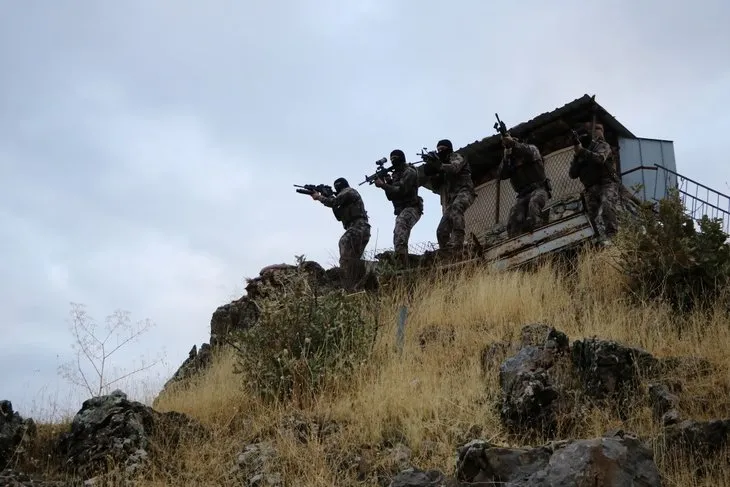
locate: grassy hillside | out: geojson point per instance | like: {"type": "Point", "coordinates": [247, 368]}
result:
{"type": "Point", "coordinates": [432, 399]}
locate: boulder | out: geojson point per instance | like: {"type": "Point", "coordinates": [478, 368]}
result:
{"type": "Point", "coordinates": [114, 431]}
{"type": "Point", "coordinates": [579, 463]}
{"type": "Point", "coordinates": [664, 403]}
{"type": "Point", "coordinates": [14, 432]}
{"type": "Point", "coordinates": [237, 315]}
{"type": "Point", "coordinates": [414, 477]}
{"type": "Point", "coordinates": [197, 361]}
{"type": "Point", "coordinates": [256, 463]}
{"type": "Point", "coordinates": [609, 369]}
{"type": "Point", "coordinates": [528, 387]}
{"type": "Point", "coordinates": [243, 313]}
{"type": "Point", "coordinates": [697, 440]}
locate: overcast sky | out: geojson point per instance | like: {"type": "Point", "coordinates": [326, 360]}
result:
{"type": "Point", "coordinates": [148, 148]}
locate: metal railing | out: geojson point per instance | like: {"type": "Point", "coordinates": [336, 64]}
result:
{"type": "Point", "coordinates": [698, 200]}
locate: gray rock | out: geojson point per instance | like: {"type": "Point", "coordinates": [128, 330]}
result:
{"type": "Point", "coordinates": [543, 335]}
{"type": "Point", "coordinates": [611, 461]}
{"type": "Point", "coordinates": [671, 417]}
{"type": "Point", "coordinates": [256, 463]}
{"type": "Point", "coordinates": [529, 392]}
{"type": "Point", "coordinates": [422, 478]}
{"type": "Point", "coordinates": [609, 369]}
{"type": "Point", "coordinates": [696, 439]}
{"type": "Point", "coordinates": [664, 404]}
{"type": "Point", "coordinates": [479, 461]}
{"type": "Point", "coordinates": [599, 461]}
{"type": "Point", "coordinates": [14, 432]}
{"type": "Point", "coordinates": [114, 429]}
{"type": "Point", "coordinates": [237, 315]}
{"type": "Point", "coordinates": [197, 361]}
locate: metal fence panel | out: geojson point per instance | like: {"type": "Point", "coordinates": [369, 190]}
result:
{"type": "Point", "coordinates": [480, 216]}
{"type": "Point", "coordinates": [557, 165]}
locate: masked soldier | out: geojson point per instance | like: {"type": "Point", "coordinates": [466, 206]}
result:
{"type": "Point", "coordinates": [402, 190]}
{"type": "Point", "coordinates": [455, 173]}
{"type": "Point", "coordinates": [349, 209]}
{"type": "Point", "coordinates": [522, 164]}
{"type": "Point", "coordinates": [593, 164]}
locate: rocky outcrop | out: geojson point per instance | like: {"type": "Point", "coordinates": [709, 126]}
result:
{"type": "Point", "coordinates": [530, 388]}
{"type": "Point", "coordinates": [256, 464]}
{"type": "Point", "coordinates": [197, 361]}
{"type": "Point", "coordinates": [613, 460]}
{"type": "Point", "coordinates": [696, 440]}
{"type": "Point", "coordinates": [609, 369]}
{"type": "Point", "coordinates": [664, 403]}
{"type": "Point", "coordinates": [114, 431]}
{"type": "Point", "coordinates": [243, 313]}
{"type": "Point", "coordinates": [536, 383]}
{"type": "Point", "coordinates": [14, 433]}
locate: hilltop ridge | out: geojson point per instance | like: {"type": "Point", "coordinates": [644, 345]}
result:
{"type": "Point", "coordinates": [481, 349]}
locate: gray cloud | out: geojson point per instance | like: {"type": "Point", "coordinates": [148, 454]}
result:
{"type": "Point", "coordinates": [147, 149]}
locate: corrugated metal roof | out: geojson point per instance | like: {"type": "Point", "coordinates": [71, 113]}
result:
{"type": "Point", "coordinates": [547, 117]}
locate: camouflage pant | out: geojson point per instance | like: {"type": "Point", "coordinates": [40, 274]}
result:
{"type": "Point", "coordinates": [352, 246]}
{"type": "Point", "coordinates": [602, 202]}
{"type": "Point", "coordinates": [452, 227]}
{"type": "Point", "coordinates": [404, 223]}
{"type": "Point", "coordinates": [525, 213]}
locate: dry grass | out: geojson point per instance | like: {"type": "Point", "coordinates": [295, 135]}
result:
{"type": "Point", "coordinates": [431, 400]}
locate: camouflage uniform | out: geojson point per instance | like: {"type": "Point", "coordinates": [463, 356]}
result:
{"type": "Point", "coordinates": [595, 168]}
{"type": "Point", "coordinates": [349, 208]}
{"type": "Point", "coordinates": [460, 195]}
{"type": "Point", "coordinates": [525, 169]}
{"type": "Point", "coordinates": [402, 191]}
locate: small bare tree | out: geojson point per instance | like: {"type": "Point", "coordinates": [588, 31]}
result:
{"type": "Point", "coordinates": [94, 347]}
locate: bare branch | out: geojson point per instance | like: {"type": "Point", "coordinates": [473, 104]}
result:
{"type": "Point", "coordinates": [132, 337]}
{"type": "Point", "coordinates": [93, 350]}
{"type": "Point", "coordinates": [82, 375]}
{"type": "Point", "coordinates": [140, 369]}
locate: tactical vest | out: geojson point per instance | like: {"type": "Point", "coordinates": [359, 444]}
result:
{"type": "Point", "coordinates": [460, 181]}
{"type": "Point", "coordinates": [592, 173]}
{"type": "Point", "coordinates": [410, 198]}
{"type": "Point", "coordinates": [528, 177]}
{"type": "Point", "coordinates": [351, 212]}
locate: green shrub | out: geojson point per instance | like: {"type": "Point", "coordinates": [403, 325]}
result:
{"type": "Point", "coordinates": [665, 256]}
{"type": "Point", "coordinates": [304, 339]}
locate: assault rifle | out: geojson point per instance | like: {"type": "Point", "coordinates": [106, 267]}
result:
{"type": "Point", "coordinates": [429, 157]}
{"type": "Point", "coordinates": [381, 173]}
{"type": "Point", "coordinates": [310, 189]}
{"type": "Point", "coordinates": [500, 127]}
{"type": "Point", "coordinates": [432, 163]}
{"type": "Point", "coordinates": [583, 138]}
